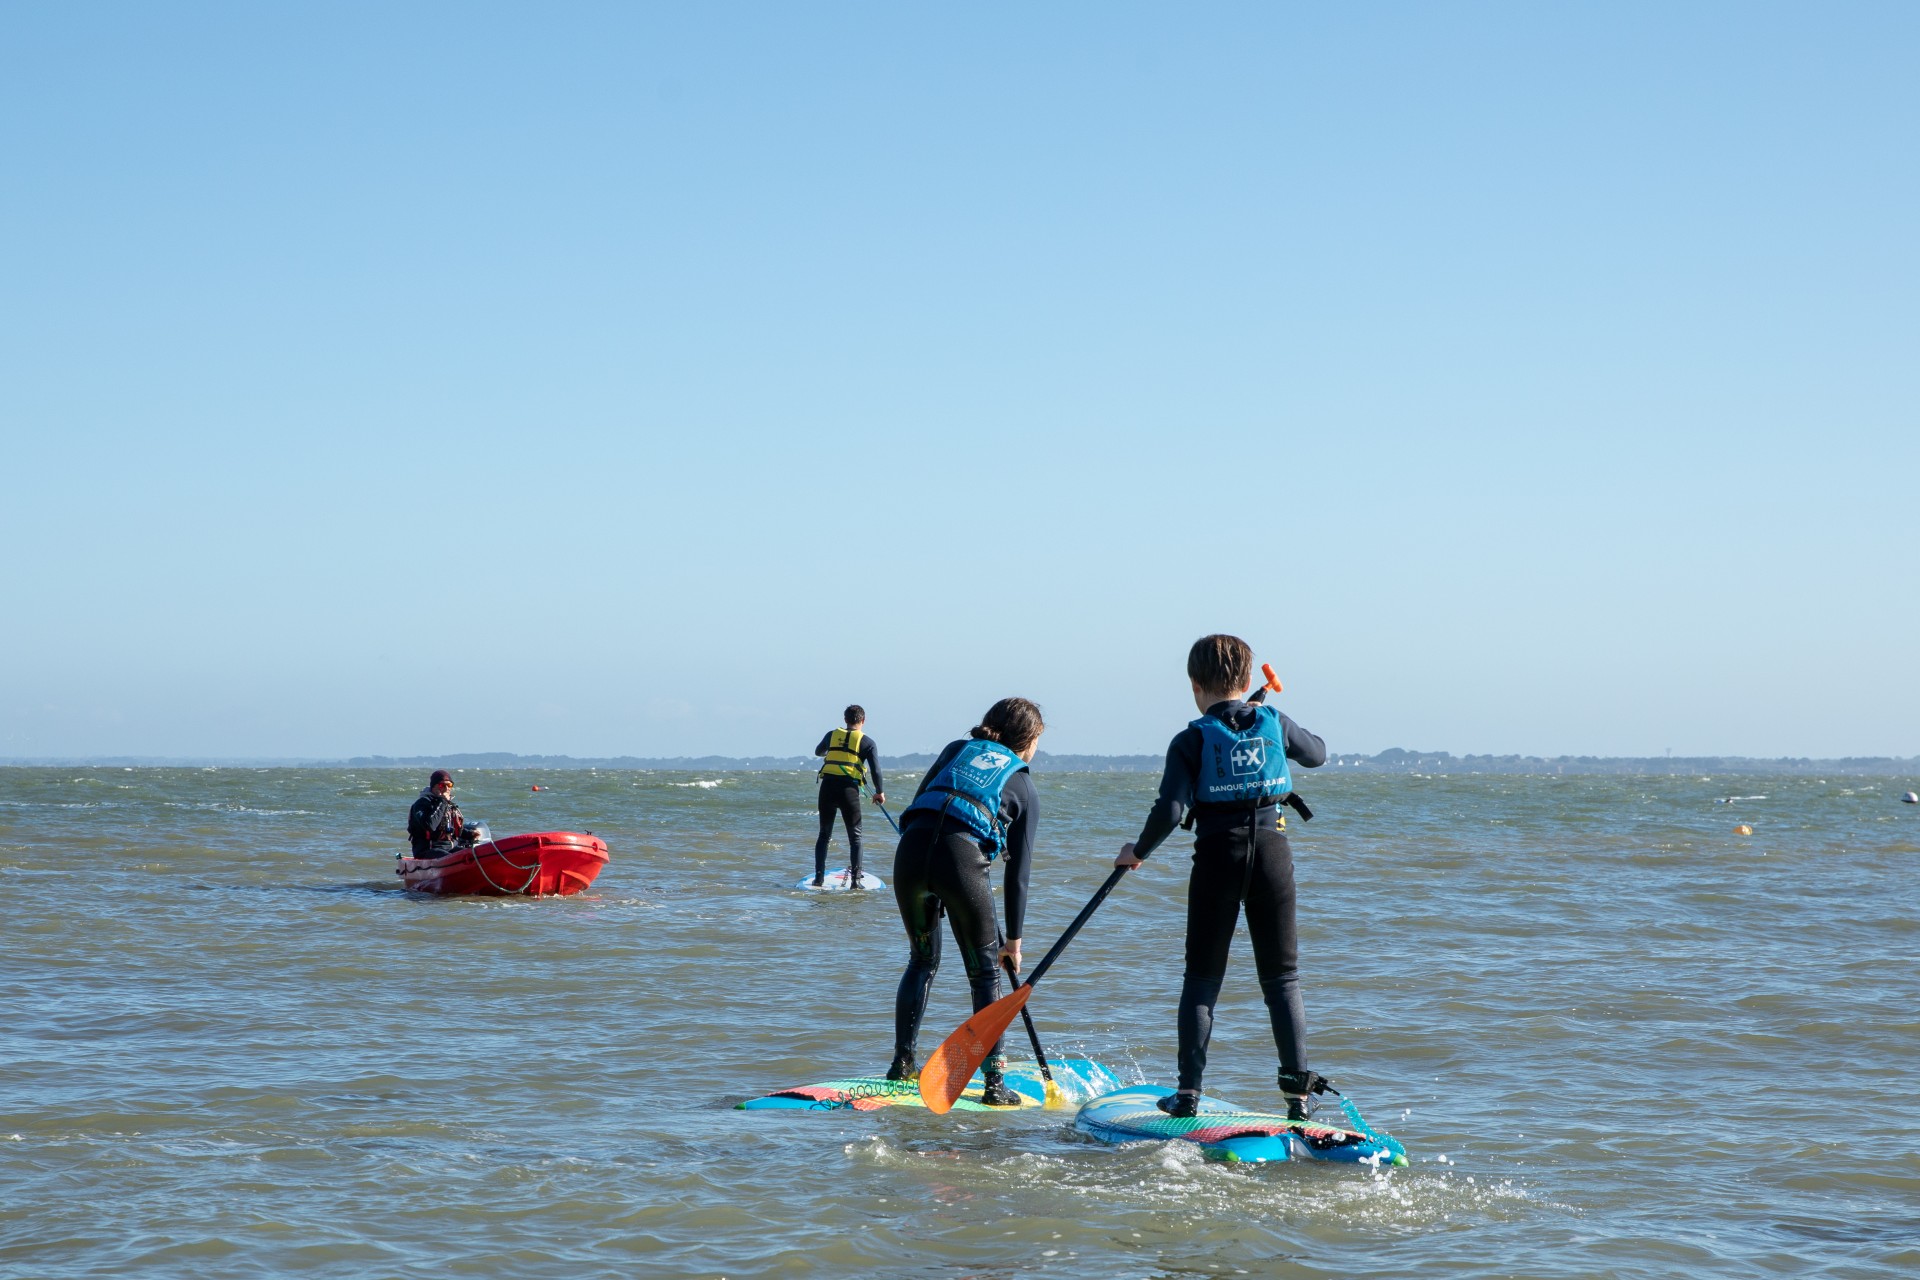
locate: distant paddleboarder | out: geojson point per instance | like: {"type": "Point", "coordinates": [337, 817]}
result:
{"type": "Point", "coordinates": [850, 760]}
{"type": "Point", "coordinates": [434, 824]}
{"type": "Point", "coordinates": [1227, 772]}
{"type": "Point", "coordinates": [974, 806]}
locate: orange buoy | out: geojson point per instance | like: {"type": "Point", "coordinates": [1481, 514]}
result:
{"type": "Point", "coordinates": [1743, 830]}
{"type": "Point", "coordinates": [536, 787]}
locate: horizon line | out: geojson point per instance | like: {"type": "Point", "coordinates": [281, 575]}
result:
{"type": "Point", "coordinates": [1396, 758]}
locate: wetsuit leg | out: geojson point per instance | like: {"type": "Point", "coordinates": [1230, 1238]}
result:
{"type": "Point", "coordinates": [961, 879]}
{"type": "Point", "coordinates": [829, 805]}
{"type": "Point", "coordinates": [839, 796]}
{"type": "Point", "coordinates": [1213, 909]}
{"type": "Point", "coordinates": [920, 913]}
{"type": "Point", "coordinates": [1276, 945]}
{"type": "Point", "coordinates": [850, 814]}
{"type": "Point", "coordinates": [936, 870]}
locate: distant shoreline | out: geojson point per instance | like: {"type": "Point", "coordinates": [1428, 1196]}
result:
{"type": "Point", "coordinates": [1393, 760]}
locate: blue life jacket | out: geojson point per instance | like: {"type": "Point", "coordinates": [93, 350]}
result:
{"type": "Point", "coordinates": [969, 788]}
{"type": "Point", "coordinates": [1242, 766]}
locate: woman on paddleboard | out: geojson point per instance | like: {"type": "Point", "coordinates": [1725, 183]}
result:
{"type": "Point", "coordinates": [974, 806]}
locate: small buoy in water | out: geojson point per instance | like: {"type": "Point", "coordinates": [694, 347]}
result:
{"type": "Point", "coordinates": [536, 787]}
{"type": "Point", "coordinates": [1743, 830]}
{"type": "Point", "coordinates": [1910, 798]}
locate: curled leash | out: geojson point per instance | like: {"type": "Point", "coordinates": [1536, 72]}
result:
{"type": "Point", "coordinates": [863, 1090]}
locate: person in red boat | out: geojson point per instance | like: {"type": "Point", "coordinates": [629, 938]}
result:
{"type": "Point", "coordinates": [434, 824]}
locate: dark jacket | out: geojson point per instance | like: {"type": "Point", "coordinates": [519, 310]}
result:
{"type": "Point", "coordinates": [434, 825]}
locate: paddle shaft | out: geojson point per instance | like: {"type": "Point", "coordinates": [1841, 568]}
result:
{"type": "Point", "coordinates": [1093, 904]}
{"type": "Point", "coordinates": [1086, 913]}
{"type": "Point", "coordinates": [883, 813]}
{"type": "Point", "coordinates": [1033, 1036]}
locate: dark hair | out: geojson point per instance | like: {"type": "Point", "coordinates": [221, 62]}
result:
{"type": "Point", "coordinates": [1014, 722]}
{"type": "Point", "coordinates": [1220, 664]}
{"type": "Point", "coordinates": [439, 776]}
{"type": "Point", "coordinates": [855, 714]}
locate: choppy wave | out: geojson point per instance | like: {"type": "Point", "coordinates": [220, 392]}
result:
{"type": "Point", "coordinates": [1590, 1011]}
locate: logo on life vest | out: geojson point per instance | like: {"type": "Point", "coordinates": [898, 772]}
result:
{"type": "Point", "coordinates": [989, 761]}
{"type": "Point", "coordinates": [1249, 756]}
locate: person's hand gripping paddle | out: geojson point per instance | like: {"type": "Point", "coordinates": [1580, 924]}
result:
{"type": "Point", "coordinates": [944, 1077]}
{"type": "Point", "coordinates": [1271, 686]}
{"type": "Point", "coordinates": [883, 812]}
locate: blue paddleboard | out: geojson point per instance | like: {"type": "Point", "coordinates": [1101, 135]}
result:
{"type": "Point", "coordinates": [1226, 1132]}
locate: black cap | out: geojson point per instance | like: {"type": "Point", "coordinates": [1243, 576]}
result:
{"type": "Point", "coordinates": [439, 776]}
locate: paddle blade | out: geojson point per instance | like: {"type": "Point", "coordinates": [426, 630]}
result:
{"type": "Point", "coordinates": [944, 1077]}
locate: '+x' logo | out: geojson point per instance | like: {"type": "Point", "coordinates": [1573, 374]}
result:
{"type": "Point", "coordinates": [1249, 755]}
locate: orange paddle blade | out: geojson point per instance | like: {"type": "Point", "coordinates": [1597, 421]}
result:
{"type": "Point", "coordinates": [945, 1075]}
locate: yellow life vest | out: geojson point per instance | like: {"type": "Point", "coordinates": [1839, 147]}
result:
{"type": "Point", "coordinates": [843, 755]}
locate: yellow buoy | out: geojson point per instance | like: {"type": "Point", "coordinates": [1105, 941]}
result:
{"type": "Point", "coordinates": [1743, 830]}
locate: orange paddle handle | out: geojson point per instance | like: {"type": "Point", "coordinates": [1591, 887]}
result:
{"type": "Point", "coordinates": [1273, 681]}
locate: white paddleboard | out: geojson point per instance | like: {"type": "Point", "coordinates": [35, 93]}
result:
{"type": "Point", "coordinates": [841, 881]}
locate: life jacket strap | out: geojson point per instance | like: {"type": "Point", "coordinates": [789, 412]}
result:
{"type": "Point", "coordinates": [996, 836]}
{"type": "Point", "coordinates": [1207, 809]}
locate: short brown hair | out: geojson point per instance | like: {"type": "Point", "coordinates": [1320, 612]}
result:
{"type": "Point", "coordinates": [855, 714]}
{"type": "Point", "coordinates": [1220, 663]}
{"type": "Point", "coordinates": [1013, 722]}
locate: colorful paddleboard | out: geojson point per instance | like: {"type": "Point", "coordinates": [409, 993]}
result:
{"type": "Point", "coordinates": [1078, 1078]}
{"type": "Point", "coordinates": [841, 881]}
{"type": "Point", "coordinates": [1227, 1132]}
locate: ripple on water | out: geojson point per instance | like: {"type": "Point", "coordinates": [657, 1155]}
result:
{"type": "Point", "coordinates": [1616, 1039]}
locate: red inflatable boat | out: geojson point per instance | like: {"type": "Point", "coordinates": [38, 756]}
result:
{"type": "Point", "coordinates": [545, 864]}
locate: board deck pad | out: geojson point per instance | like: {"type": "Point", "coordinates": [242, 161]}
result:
{"type": "Point", "coordinates": [1227, 1132]}
{"type": "Point", "coordinates": [841, 881]}
{"type": "Point", "coordinates": [1078, 1078]}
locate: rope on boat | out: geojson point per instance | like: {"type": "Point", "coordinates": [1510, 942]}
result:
{"type": "Point", "coordinates": [533, 872]}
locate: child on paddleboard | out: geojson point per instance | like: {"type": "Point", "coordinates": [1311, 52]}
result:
{"type": "Point", "coordinates": [975, 805]}
{"type": "Point", "coordinates": [1227, 774]}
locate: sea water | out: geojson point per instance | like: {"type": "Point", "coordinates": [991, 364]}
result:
{"type": "Point", "coordinates": [1616, 1037]}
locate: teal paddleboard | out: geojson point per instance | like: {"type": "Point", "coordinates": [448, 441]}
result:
{"type": "Point", "coordinates": [1226, 1132]}
{"type": "Point", "coordinates": [1078, 1079]}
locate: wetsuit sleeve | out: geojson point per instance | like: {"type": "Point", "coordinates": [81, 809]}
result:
{"type": "Point", "coordinates": [1303, 748]}
{"type": "Point", "coordinates": [1020, 810]}
{"type": "Point", "coordinates": [870, 757]}
{"type": "Point", "coordinates": [1176, 792]}
{"type": "Point", "coordinates": [824, 739]}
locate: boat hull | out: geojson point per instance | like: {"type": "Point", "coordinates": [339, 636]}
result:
{"type": "Point", "coordinates": [540, 865]}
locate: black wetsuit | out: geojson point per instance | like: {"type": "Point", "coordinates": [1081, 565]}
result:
{"type": "Point", "coordinates": [1238, 852]}
{"type": "Point", "coordinates": [840, 795]}
{"type": "Point", "coordinates": [939, 868]}
{"type": "Point", "coordinates": [434, 825]}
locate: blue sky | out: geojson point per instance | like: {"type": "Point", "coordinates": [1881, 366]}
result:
{"type": "Point", "coordinates": [657, 379]}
